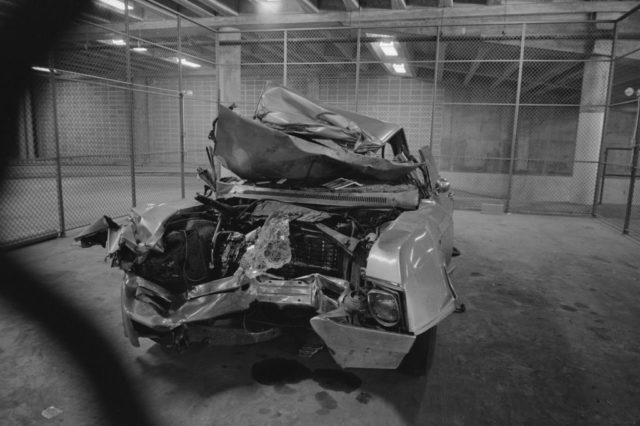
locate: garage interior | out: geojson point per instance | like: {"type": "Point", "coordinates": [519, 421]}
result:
{"type": "Point", "coordinates": [524, 106]}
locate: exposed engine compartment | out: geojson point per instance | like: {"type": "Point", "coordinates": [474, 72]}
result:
{"type": "Point", "coordinates": [299, 261]}
{"type": "Point", "coordinates": [204, 245]}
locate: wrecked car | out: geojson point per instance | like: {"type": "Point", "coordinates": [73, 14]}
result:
{"type": "Point", "coordinates": [326, 221]}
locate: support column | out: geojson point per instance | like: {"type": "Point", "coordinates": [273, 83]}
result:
{"type": "Point", "coordinates": [590, 129]}
{"type": "Point", "coordinates": [228, 60]}
{"type": "Point", "coordinates": [229, 67]}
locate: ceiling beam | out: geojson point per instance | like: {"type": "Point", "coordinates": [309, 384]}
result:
{"type": "Point", "coordinates": [398, 4]}
{"type": "Point", "coordinates": [193, 8]}
{"type": "Point", "coordinates": [508, 71]}
{"type": "Point", "coordinates": [309, 6]}
{"type": "Point", "coordinates": [220, 7]}
{"type": "Point", "coordinates": [351, 5]}
{"type": "Point", "coordinates": [561, 82]}
{"type": "Point", "coordinates": [545, 77]}
{"type": "Point", "coordinates": [625, 81]}
{"type": "Point", "coordinates": [344, 48]}
{"type": "Point", "coordinates": [482, 52]}
{"type": "Point", "coordinates": [450, 69]}
{"type": "Point", "coordinates": [426, 16]}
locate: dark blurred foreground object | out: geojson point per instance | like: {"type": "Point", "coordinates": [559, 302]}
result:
{"type": "Point", "coordinates": [28, 29]}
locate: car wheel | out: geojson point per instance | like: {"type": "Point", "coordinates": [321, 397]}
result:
{"type": "Point", "coordinates": [418, 360]}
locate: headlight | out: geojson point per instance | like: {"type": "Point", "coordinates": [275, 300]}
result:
{"type": "Point", "coordinates": [384, 307]}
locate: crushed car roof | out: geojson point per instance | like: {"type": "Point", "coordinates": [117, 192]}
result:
{"type": "Point", "coordinates": [295, 138]}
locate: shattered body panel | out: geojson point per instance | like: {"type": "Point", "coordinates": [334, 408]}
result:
{"type": "Point", "coordinates": [365, 266]}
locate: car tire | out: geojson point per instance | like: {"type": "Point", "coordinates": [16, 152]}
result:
{"type": "Point", "coordinates": [418, 361]}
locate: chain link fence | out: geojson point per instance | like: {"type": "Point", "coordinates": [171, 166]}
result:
{"type": "Point", "coordinates": [529, 117]}
{"type": "Point", "coordinates": [618, 198]}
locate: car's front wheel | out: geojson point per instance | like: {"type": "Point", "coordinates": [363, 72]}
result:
{"type": "Point", "coordinates": [418, 360]}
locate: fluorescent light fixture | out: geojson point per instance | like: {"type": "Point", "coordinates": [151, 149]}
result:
{"type": "Point", "coordinates": [399, 68]}
{"type": "Point", "coordinates": [184, 62]}
{"type": "Point", "coordinates": [379, 35]}
{"type": "Point", "coordinates": [41, 69]}
{"type": "Point", "coordinates": [139, 49]}
{"type": "Point", "coordinates": [189, 64]}
{"type": "Point", "coordinates": [268, 6]}
{"type": "Point", "coordinates": [388, 48]}
{"type": "Point", "coordinates": [116, 4]}
{"type": "Point", "coordinates": [114, 42]}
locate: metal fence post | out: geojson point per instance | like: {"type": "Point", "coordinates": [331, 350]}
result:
{"type": "Point", "coordinates": [286, 53]}
{"type": "Point", "coordinates": [516, 112]}
{"type": "Point", "coordinates": [181, 108]}
{"type": "Point", "coordinates": [634, 166]}
{"type": "Point", "coordinates": [599, 189]}
{"type": "Point", "coordinates": [434, 98]}
{"type": "Point", "coordinates": [604, 175]}
{"type": "Point", "coordinates": [218, 70]}
{"type": "Point", "coordinates": [56, 137]}
{"type": "Point", "coordinates": [358, 67]}
{"type": "Point", "coordinates": [132, 147]}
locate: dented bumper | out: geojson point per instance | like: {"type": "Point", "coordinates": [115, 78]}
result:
{"type": "Point", "coordinates": [359, 347]}
{"type": "Point", "coordinates": [149, 310]}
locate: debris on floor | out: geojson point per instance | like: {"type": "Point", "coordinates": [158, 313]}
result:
{"type": "Point", "coordinates": [51, 412]}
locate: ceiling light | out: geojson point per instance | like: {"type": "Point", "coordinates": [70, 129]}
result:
{"type": "Point", "coordinates": [116, 4]}
{"type": "Point", "coordinates": [399, 68]}
{"type": "Point", "coordinates": [41, 69]}
{"type": "Point", "coordinates": [189, 63]}
{"type": "Point", "coordinates": [268, 6]}
{"type": "Point", "coordinates": [184, 62]}
{"type": "Point", "coordinates": [114, 42]}
{"type": "Point", "coordinates": [388, 48]}
{"type": "Point", "coordinates": [379, 35]}
{"type": "Point", "coordinates": [139, 49]}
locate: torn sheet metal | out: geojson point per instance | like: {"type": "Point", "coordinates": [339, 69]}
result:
{"type": "Point", "coordinates": [152, 306]}
{"type": "Point", "coordinates": [148, 224]}
{"type": "Point", "coordinates": [359, 347]}
{"type": "Point", "coordinates": [293, 211]}
{"type": "Point", "coordinates": [310, 290]}
{"type": "Point", "coordinates": [144, 311]}
{"type": "Point", "coordinates": [341, 183]}
{"type": "Point", "coordinates": [284, 109]}
{"type": "Point", "coordinates": [98, 233]}
{"type": "Point", "coordinates": [405, 196]}
{"type": "Point", "coordinates": [256, 152]}
{"type": "Point", "coordinates": [346, 242]}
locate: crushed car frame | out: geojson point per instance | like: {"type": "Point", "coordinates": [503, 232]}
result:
{"type": "Point", "coordinates": [317, 228]}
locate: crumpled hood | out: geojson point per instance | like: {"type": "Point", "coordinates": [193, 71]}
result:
{"type": "Point", "coordinates": [283, 109]}
{"type": "Point", "coordinates": [297, 139]}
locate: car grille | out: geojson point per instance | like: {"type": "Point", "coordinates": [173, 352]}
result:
{"type": "Point", "coordinates": [312, 252]}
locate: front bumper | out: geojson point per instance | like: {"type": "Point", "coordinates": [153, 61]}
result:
{"type": "Point", "coordinates": [349, 345]}
{"type": "Point", "coordinates": [360, 347]}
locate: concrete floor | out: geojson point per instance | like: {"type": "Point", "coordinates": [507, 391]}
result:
{"type": "Point", "coordinates": [551, 335]}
